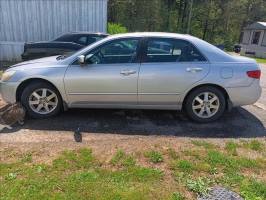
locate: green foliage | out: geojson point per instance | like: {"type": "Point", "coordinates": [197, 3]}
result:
{"type": "Point", "coordinates": [253, 190]}
{"type": "Point", "coordinates": [204, 167]}
{"type": "Point", "coordinates": [259, 60]}
{"type": "Point", "coordinates": [154, 156]}
{"type": "Point", "coordinates": [200, 185]}
{"type": "Point", "coordinates": [216, 158]}
{"type": "Point", "coordinates": [11, 176]}
{"type": "Point", "coordinates": [122, 159]}
{"type": "Point", "coordinates": [77, 175]}
{"type": "Point", "coordinates": [113, 28]}
{"type": "Point", "coordinates": [254, 145]}
{"type": "Point", "coordinates": [185, 165]}
{"type": "Point", "coordinates": [216, 21]}
{"type": "Point", "coordinates": [26, 157]}
{"type": "Point", "coordinates": [231, 148]}
{"type": "Point", "coordinates": [177, 196]}
{"type": "Point", "coordinates": [74, 160]}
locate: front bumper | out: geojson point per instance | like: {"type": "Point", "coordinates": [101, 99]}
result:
{"type": "Point", "coordinates": [8, 91]}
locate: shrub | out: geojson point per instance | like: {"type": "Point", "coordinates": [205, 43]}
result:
{"type": "Point", "coordinates": [113, 28]}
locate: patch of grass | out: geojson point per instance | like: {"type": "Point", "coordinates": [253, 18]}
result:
{"type": "Point", "coordinates": [260, 60]}
{"type": "Point", "coordinates": [202, 143]}
{"type": "Point", "coordinates": [201, 186]}
{"type": "Point", "coordinates": [253, 190]}
{"type": "Point", "coordinates": [177, 196]}
{"type": "Point", "coordinates": [74, 160]}
{"type": "Point", "coordinates": [172, 153]}
{"type": "Point", "coordinates": [231, 179]}
{"type": "Point", "coordinates": [26, 157]}
{"type": "Point", "coordinates": [229, 163]}
{"type": "Point", "coordinates": [185, 165]}
{"type": "Point", "coordinates": [1, 73]}
{"type": "Point", "coordinates": [203, 167]}
{"type": "Point", "coordinates": [195, 153]}
{"type": "Point", "coordinates": [216, 158]}
{"type": "Point", "coordinates": [231, 148]}
{"type": "Point", "coordinates": [77, 175]}
{"type": "Point", "coordinates": [119, 155]}
{"type": "Point", "coordinates": [154, 156]}
{"type": "Point", "coordinates": [122, 159]}
{"type": "Point", "coordinates": [253, 145]}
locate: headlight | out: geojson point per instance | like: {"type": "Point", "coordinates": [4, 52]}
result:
{"type": "Point", "coordinates": [7, 75]}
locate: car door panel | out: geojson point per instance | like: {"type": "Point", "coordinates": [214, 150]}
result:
{"type": "Point", "coordinates": [110, 77]}
{"type": "Point", "coordinates": [97, 84]}
{"type": "Point", "coordinates": [161, 82]}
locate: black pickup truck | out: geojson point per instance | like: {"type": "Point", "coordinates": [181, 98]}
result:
{"type": "Point", "coordinates": [62, 45]}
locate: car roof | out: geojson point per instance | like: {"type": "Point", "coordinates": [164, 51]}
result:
{"type": "Point", "coordinates": [85, 33]}
{"type": "Point", "coordinates": [151, 34]}
{"type": "Point", "coordinates": [211, 52]}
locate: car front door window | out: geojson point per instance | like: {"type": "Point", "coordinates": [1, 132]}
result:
{"type": "Point", "coordinates": [122, 51]}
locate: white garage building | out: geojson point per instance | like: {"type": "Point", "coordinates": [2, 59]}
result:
{"type": "Point", "coordinates": [253, 40]}
{"type": "Point", "coordinates": [42, 20]}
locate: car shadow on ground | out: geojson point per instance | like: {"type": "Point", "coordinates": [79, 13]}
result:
{"type": "Point", "coordinates": [237, 123]}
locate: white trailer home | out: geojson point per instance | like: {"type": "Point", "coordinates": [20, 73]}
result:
{"type": "Point", "coordinates": [253, 40]}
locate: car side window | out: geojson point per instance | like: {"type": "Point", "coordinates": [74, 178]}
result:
{"type": "Point", "coordinates": [172, 50]}
{"type": "Point", "coordinates": [82, 40]}
{"type": "Point", "coordinates": [119, 51]}
{"type": "Point", "coordinates": [92, 39]}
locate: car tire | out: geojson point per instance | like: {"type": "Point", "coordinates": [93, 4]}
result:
{"type": "Point", "coordinates": [41, 100]}
{"type": "Point", "coordinates": [205, 104]}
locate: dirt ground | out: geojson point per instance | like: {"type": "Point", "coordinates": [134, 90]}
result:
{"type": "Point", "coordinates": [105, 131]}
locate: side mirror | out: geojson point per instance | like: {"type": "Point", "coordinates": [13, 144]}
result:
{"type": "Point", "coordinates": [81, 59]}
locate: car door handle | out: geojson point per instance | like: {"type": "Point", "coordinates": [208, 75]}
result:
{"type": "Point", "coordinates": [194, 69]}
{"type": "Point", "coordinates": [127, 72]}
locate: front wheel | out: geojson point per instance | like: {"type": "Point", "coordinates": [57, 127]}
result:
{"type": "Point", "coordinates": [205, 104]}
{"type": "Point", "coordinates": [41, 100]}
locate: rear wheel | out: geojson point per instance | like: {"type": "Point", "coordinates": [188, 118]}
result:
{"type": "Point", "coordinates": [41, 100]}
{"type": "Point", "coordinates": [205, 104]}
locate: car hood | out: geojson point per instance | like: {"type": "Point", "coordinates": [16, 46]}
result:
{"type": "Point", "coordinates": [51, 59]}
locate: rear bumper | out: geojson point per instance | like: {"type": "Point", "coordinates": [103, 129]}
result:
{"type": "Point", "coordinates": [241, 96]}
{"type": "Point", "coordinates": [8, 91]}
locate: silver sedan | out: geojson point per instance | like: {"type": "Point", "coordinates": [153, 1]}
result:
{"type": "Point", "coordinates": [136, 71]}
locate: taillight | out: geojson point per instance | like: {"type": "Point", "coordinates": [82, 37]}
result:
{"type": "Point", "coordinates": [254, 74]}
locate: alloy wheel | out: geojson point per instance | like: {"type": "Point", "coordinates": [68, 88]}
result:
{"type": "Point", "coordinates": [43, 101]}
{"type": "Point", "coordinates": [205, 105]}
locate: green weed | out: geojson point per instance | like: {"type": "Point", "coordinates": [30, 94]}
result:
{"type": "Point", "coordinates": [154, 156]}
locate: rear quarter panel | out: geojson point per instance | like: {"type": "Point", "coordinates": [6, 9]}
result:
{"type": "Point", "coordinates": [232, 76]}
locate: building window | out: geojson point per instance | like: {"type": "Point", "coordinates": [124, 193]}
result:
{"type": "Point", "coordinates": [246, 37]}
{"type": "Point", "coordinates": [256, 37]}
{"type": "Point", "coordinates": [264, 39]}
{"type": "Point", "coordinates": [241, 37]}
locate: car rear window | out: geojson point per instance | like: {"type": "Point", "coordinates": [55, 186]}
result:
{"type": "Point", "coordinates": [172, 50]}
